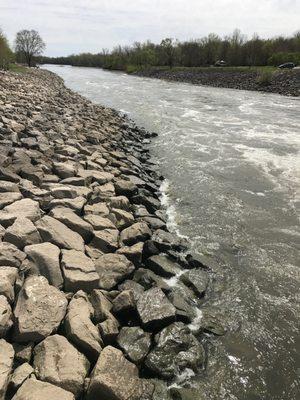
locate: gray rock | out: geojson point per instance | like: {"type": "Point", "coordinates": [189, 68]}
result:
{"type": "Point", "coordinates": [53, 231]}
{"type": "Point", "coordinates": [75, 205]}
{"type": "Point", "coordinates": [101, 304]}
{"type": "Point", "coordinates": [106, 240]}
{"type": "Point", "coordinates": [22, 233]}
{"type": "Point", "coordinates": [7, 198]}
{"type": "Point", "coordinates": [138, 232]}
{"type": "Point", "coordinates": [8, 277]}
{"type": "Point", "coordinates": [25, 208]}
{"type": "Point", "coordinates": [133, 253]}
{"type": "Point", "coordinates": [175, 350]}
{"type": "Point", "coordinates": [120, 202]}
{"type": "Point", "coordinates": [33, 389]}
{"type": "Point", "coordinates": [63, 192]}
{"type": "Point", "coordinates": [98, 222]}
{"type": "Point", "coordinates": [124, 303]}
{"type": "Point", "coordinates": [155, 310]}
{"type": "Point", "coordinates": [97, 209]}
{"type": "Point", "coordinates": [135, 287]}
{"type": "Point", "coordinates": [6, 363]}
{"type": "Point", "coordinates": [79, 328]}
{"type": "Point", "coordinates": [125, 188]}
{"type": "Point", "coordinates": [163, 266]}
{"type": "Point", "coordinates": [10, 255]}
{"type": "Point", "coordinates": [5, 316]}
{"type": "Point", "coordinates": [73, 221]}
{"type": "Point", "coordinates": [185, 301]}
{"type": "Point", "coordinates": [23, 352]}
{"type": "Point", "coordinates": [196, 279]}
{"type": "Point", "coordinates": [64, 170]}
{"type": "Point", "coordinates": [19, 376]}
{"type": "Point", "coordinates": [114, 378]}
{"type": "Point", "coordinates": [123, 218]}
{"type": "Point", "coordinates": [58, 362]}
{"type": "Point", "coordinates": [109, 330]}
{"type": "Point", "coordinates": [39, 310]}
{"type": "Point", "coordinates": [135, 343]}
{"type": "Point", "coordinates": [79, 271]}
{"type": "Point", "coordinates": [46, 258]}
{"type": "Point", "coordinates": [112, 269]}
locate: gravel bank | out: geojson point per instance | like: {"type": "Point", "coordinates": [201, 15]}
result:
{"type": "Point", "coordinates": [97, 298]}
{"type": "Point", "coordinates": [283, 82]}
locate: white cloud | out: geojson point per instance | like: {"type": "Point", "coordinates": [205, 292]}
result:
{"type": "Point", "coordinates": [89, 25]}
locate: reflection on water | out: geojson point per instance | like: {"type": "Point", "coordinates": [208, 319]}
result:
{"type": "Point", "coordinates": [232, 162]}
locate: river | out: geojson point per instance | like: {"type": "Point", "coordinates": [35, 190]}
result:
{"type": "Point", "coordinates": [232, 164]}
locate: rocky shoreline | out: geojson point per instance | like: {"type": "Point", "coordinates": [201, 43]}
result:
{"type": "Point", "coordinates": [97, 298]}
{"type": "Point", "coordinates": [283, 82]}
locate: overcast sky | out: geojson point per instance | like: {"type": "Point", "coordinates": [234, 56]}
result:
{"type": "Point", "coordinates": [73, 26]}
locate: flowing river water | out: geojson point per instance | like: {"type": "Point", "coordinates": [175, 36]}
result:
{"type": "Point", "coordinates": [232, 167]}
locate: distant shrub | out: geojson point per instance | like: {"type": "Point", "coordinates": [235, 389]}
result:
{"type": "Point", "coordinates": [283, 57]}
{"type": "Point", "coordinates": [264, 78]}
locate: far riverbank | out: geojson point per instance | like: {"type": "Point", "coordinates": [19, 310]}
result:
{"type": "Point", "coordinates": [283, 82]}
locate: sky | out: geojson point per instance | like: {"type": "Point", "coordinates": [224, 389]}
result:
{"type": "Point", "coordinates": [74, 26]}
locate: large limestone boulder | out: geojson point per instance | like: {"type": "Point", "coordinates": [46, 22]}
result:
{"type": "Point", "coordinates": [46, 258]}
{"type": "Point", "coordinates": [25, 208]}
{"type": "Point", "coordinates": [154, 309]}
{"type": "Point", "coordinates": [6, 363]}
{"type": "Point", "coordinates": [10, 255]}
{"type": "Point", "coordinates": [53, 231]}
{"type": "Point", "coordinates": [39, 310]}
{"type": "Point", "coordinates": [5, 316]}
{"type": "Point", "coordinates": [112, 269]}
{"type": "Point", "coordinates": [22, 233]}
{"type": "Point", "coordinates": [196, 279]}
{"type": "Point", "coordinates": [80, 329]}
{"type": "Point", "coordinates": [7, 198]}
{"type": "Point", "coordinates": [64, 170]}
{"type": "Point", "coordinates": [8, 276]}
{"type": "Point", "coordinates": [176, 349]}
{"type": "Point", "coordinates": [163, 266]}
{"type": "Point", "coordinates": [98, 222]}
{"type": "Point", "coordinates": [32, 389]}
{"type": "Point", "coordinates": [138, 232]}
{"type": "Point", "coordinates": [58, 362]}
{"type": "Point", "coordinates": [135, 343]}
{"type": "Point", "coordinates": [19, 376]}
{"type": "Point", "coordinates": [73, 221]}
{"type": "Point", "coordinates": [101, 304]}
{"type": "Point", "coordinates": [106, 240]}
{"type": "Point", "coordinates": [79, 271]}
{"type": "Point", "coordinates": [114, 378]}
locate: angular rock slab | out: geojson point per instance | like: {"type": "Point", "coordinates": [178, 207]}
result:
{"type": "Point", "coordinates": [32, 389]}
{"type": "Point", "coordinates": [112, 269]}
{"type": "Point", "coordinates": [8, 276]}
{"type": "Point", "coordinates": [22, 233]}
{"type": "Point", "coordinates": [53, 231]}
{"type": "Point", "coordinates": [39, 310]}
{"type": "Point", "coordinates": [154, 309]}
{"type": "Point", "coordinates": [73, 221]}
{"type": "Point", "coordinates": [46, 258]}
{"type": "Point", "coordinates": [135, 343]}
{"type": "Point", "coordinates": [176, 349]}
{"type": "Point", "coordinates": [19, 376]}
{"type": "Point", "coordinates": [5, 316]}
{"type": "Point", "coordinates": [25, 208]}
{"type": "Point", "coordinates": [58, 362]}
{"type": "Point", "coordinates": [79, 271]}
{"type": "Point", "coordinates": [10, 255]}
{"type": "Point", "coordinates": [79, 328]}
{"type": "Point", "coordinates": [6, 363]}
{"type": "Point", "coordinates": [138, 232]}
{"type": "Point", "coordinates": [114, 378]}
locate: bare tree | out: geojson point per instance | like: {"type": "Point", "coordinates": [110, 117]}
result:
{"type": "Point", "coordinates": [29, 44]}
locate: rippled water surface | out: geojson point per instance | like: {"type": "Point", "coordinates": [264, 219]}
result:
{"type": "Point", "coordinates": [232, 162]}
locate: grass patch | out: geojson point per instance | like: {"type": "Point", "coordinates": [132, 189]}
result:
{"type": "Point", "coordinates": [17, 68]}
{"type": "Point", "coordinates": [264, 78]}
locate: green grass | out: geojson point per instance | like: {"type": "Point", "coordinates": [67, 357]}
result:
{"type": "Point", "coordinates": [19, 69]}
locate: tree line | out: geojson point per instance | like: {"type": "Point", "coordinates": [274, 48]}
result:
{"type": "Point", "coordinates": [235, 50]}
